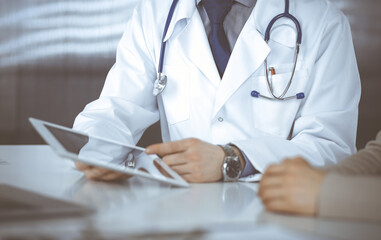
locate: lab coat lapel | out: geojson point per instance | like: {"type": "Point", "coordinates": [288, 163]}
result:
{"type": "Point", "coordinates": [193, 43]}
{"type": "Point", "coordinates": [248, 55]}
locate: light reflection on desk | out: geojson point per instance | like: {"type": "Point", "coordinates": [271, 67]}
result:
{"type": "Point", "coordinates": [201, 203]}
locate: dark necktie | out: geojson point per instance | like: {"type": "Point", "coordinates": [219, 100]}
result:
{"type": "Point", "coordinates": [217, 11]}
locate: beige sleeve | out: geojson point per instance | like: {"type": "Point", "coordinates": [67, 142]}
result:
{"type": "Point", "coordinates": [355, 197]}
{"type": "Point", "coordinates": [364, 162]}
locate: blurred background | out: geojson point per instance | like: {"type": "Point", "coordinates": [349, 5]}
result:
{"type": "Point", "coordinates": [55, 55]}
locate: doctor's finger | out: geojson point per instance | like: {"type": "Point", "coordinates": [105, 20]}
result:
{"type": "Point", "coordinates": [114, 176]}
{"type": "Point", "coordinates": [96, 173]}
{"type": "Point", "coordinates": [175, 159]}
{"type": "Point", "coordinates": [82, 166]}
{"type": "Point", "coordinates": [187, 177]}
{"type": "Point", "coordinates": [182, 169]}
{"type": "Point", "coordinates": [163, 149]}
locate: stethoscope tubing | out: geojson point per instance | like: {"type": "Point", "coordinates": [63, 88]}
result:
{"type": "Point", "coordinates": [269, 83]}
{"type": "Point", "coordinates": [281, 97]}
{"type": "Point", "coordinates": [286, 14]}
{"type": "Point", "coordinates": [163, 43]}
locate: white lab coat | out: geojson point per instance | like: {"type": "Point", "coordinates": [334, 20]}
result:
{"type": "Point", "coordinates": [322, 127]}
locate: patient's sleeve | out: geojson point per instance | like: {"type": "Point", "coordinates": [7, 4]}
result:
{"type": "Point", "coordinates": [352, 189]}
{"type": "Point", "coordinates": [355, 197]}
{"type": "Point", "coordinates": [365, 162]}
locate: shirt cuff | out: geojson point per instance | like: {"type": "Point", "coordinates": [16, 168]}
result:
{"type": "Point", "coordinates": [249, 168]}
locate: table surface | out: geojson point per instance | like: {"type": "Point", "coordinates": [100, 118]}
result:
{"type": "Point", "coordinates": [140, 208]}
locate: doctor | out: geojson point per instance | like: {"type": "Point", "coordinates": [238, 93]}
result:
{"type": "Point", "coordinates": [229, 106]}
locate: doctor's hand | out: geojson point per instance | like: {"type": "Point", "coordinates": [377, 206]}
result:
{"type": "Point", "coordinates": [100, 174]}
{"type": "Point", "coordinates": [291, 187]}
{"type": "Point", "coordinates": [194, 160]}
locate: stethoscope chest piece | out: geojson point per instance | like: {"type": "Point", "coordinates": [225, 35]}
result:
{"type": "Point", "coordinates": [159, 84]}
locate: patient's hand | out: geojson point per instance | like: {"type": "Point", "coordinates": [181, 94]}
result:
{"type": "Point", "coordinates": [291, 187]}
{"type": "Point", "coordinates": [100, 174]}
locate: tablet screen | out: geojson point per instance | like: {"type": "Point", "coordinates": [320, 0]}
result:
{"type": "Point", "coordinates": [95, 149]}
{"type": "Point", "coordinates": [72, 142]}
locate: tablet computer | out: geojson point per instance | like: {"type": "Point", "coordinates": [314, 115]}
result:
{"type": "Point", "coordinates": [106, 153]}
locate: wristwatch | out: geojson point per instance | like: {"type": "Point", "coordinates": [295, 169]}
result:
{"type": "Point", "coordinates": [231, 167]}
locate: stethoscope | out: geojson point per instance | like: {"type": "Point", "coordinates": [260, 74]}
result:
{"type": "Point", "coordinates": [161, 81]}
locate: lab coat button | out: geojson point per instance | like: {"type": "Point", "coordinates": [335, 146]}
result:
{"type": "Point", "coordinates": [220, 119]}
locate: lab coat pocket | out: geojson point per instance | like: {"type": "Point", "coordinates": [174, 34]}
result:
{"type": "Point", "coordinates": [274, 116]}
{"type": "Point", "coordinates": [176, 96]}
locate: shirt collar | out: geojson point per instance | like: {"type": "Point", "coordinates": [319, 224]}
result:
{"type": "Point", "coordinates": [247, 3]}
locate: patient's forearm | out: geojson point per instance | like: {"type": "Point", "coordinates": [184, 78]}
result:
{"type": "Point", "coordinates": [355, 197]}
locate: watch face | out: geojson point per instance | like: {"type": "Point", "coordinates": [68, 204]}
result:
{"type": "Point", "coordinates": [233, 168]}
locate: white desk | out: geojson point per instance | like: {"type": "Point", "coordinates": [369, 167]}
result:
{"type": "Point", "coordinates": [137, 209]}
